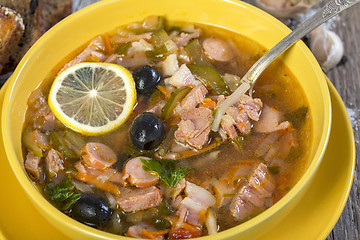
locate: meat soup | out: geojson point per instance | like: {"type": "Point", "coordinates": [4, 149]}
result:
{"type": "Point", "coordinates": [163, 173]}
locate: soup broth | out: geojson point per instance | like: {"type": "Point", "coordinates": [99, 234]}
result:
{"type": "Point", "coordinates": [184, 180]}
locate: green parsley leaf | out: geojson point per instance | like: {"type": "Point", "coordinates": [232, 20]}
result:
{"type": "Point", "coordinates": [63, 194]}
{"type": "Point", "coordinates": [297, 117]}
{"type": "Point", "coordinates": [274, 169]}
{"type": "Point", "coordinates": [166, 169]}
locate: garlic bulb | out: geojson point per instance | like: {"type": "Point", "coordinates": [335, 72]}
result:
{"type": "Point", "coordinates": [327, 47]}
{"type": "Point", "coordinates": [285, 8]}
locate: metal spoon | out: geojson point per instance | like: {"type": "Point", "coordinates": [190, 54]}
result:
{"type": "Point", "coordinates": [331, 9]}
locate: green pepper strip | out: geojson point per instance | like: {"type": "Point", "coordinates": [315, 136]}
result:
{"type": "Point", "coordinates": [196, 53]}
{"type": "Point", "coordinates": [59, 144]}
{"type": "Point", "coordinates": [29, 140]}
{"type": "Point", "coordinates": [211, 78]}
{"type": "Point", "coordinates": [169, 139]}
{"type": "Point", "coordinates": [174, 99]}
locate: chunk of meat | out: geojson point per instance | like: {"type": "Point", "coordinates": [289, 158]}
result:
{"type": "Point", "coordinates": [239, 116]}
{"type": "Point", "coordinates": [184, 38]}
{"type": "Point", "coordinates": [199, 194]}
{"type": "Point", "coordinates": [253, 195]}
{"type": "Point", "coordinates": [228, 125]}
{"type": "Point", "coordinates": [217, 49]}
{"type": "Point", "coordinates": [194, 127]}
{"type": "Point", "coordinates": [134, 173]}
{"type": "Point", "coordinates": [140, 199]}
{"type": "Point", "coordinates": [31, 164]}
{"type": "Point", "coordinates": [95, 48]}
{"type": "Point", "coordinates": [183, 77]}
{"type": "Point", "coordinates": [271, 121]}
{"type": "Point", "coordinates": [194, 97]}
{"type": "Point", "coordinates": [53, 162]}
{"type": "Point", "coordinates": [98, 155]}
{"type": "Point", "coordinates": [43, 118]}
{"type": "Point", "coordinates": [131, 38]}
{"type": "Point", "coordinates": [196, 203]}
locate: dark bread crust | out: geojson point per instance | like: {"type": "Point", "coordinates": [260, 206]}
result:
{"type": "Point", "coordinates": [29, 11]}
{"type": "Point", "coordinates": [11, 31]}
{"type": "Point", "coordinates": [38, 16]}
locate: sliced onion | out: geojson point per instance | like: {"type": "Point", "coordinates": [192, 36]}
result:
{"type": "Point", "coordinates": [229, 101]}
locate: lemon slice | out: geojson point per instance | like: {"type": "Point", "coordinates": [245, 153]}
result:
{"type": "Point", "coordinates": [93, 98]}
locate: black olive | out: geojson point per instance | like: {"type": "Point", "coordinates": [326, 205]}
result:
{"type": "Point", "coordinates": [146, 78]}
{"type": "Point", "coordinates": [147, 131]}
{"type": "Point", "coordinates": [91, 209]}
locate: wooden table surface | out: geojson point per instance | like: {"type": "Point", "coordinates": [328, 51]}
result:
{"type": "Point", "coordinates": [346, 79]}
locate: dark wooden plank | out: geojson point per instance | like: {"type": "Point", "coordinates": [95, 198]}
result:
{"type": "Point", "coordinates": [346, 80]}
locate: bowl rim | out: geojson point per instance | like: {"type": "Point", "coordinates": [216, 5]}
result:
{"type": "Point", "coordinates": [43, 204]}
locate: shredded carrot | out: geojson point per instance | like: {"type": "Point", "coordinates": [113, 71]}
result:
{"type": "Point", "coordinates": [190, 153]}
{"type": "Point", "coordinates": [154, 234]}
{"type": "Point", "coordinates": [190, 227]}
{"type": "Point", "coordinates": [208, 103]}
{"type": "Point", "coordinates": [163, 90]}
{"type": "Point", "coordinates": [107, 186]}
{"type": "Point", "coordinates": [108, 44]}
{"type": "Point", "coordinates": [240, 125]}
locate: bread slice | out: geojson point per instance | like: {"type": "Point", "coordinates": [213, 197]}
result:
{"type": "Point", "coordinates": [29, 11]}
{"type": "Point", "coordinates": [53, 11]}
{"type": "Point", "coordinates": [39, 16]}
{"type": "Point", "coordinates": [11, 31]}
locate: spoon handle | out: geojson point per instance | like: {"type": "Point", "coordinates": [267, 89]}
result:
{"type": "Point", "coordinates": [332, 8]}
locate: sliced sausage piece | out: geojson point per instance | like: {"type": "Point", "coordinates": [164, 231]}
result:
{"type": "Point", "coordinates": [217, 49]}
{"type": "Point", "coordinates": [98, 155]}
{"type": "Point", "coordinates": [135, 174]}
{"type": "Point", "coordinates": [140, 199]}
{"type": "Point", "coordinates": [32, 164]}
{"type": "Point", "coordinates": [53, 162]}
{"type": "Point", "coordinates": [253, 195]}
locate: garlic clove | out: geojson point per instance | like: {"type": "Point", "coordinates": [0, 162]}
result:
{"type": "Point", "coordinates": [285, 8]}
{"type": "Point", "coordinates": [327, 47]}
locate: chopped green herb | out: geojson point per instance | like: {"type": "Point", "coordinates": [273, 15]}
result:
{"type": "Point", "coordinates": [63, 194]}
{"type": "Point", "coordinates": [165, 208]}
{"type": "Point", "coordinates": [239, 142]}
{"type": "Point", "coordinates": [274, 169]}
{"type": "Point", "coordinates": [255, 58]}
{"type": "Point", "coordinates": [122, 49]}
{"type": "Point", "coordinates": [293, 154]}
{"type": "Point", "coordinates": [261, 158]}
{"type": "Point", "coordinates": [166, 169]}
{"type": "Point", "coordinates": [297, 117]}
{"type": "Point", "coordinates": [135, 152]}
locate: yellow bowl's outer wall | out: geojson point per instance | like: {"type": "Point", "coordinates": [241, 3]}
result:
{"type": "Point", "coordinates": [105, 16]}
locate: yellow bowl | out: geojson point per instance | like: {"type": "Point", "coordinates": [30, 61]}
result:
{"type": "Point", "coordinates": [105, 16]}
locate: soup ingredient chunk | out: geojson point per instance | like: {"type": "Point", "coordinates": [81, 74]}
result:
{"type": "Point", "coordinates": [93, 98]}
{"type": "Point", "coordinates": [194, 127]}
{"type": "Point", "coordinates": [137, 176]}
{"type": "Point", "coordinates": [98, 155]}
{"type": "Point", "coordinates": [140, 199]}
{"type": "Point", "coordinates": [252, 196]}
{"type": "Point", "coordinates": [146, 78]}
{"type": "Point", "coordinates": [217, 49]}
{"type": "Point", "coordinates": [147, 131]}
{"type": "Point", "coordinates": [91, 209]}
